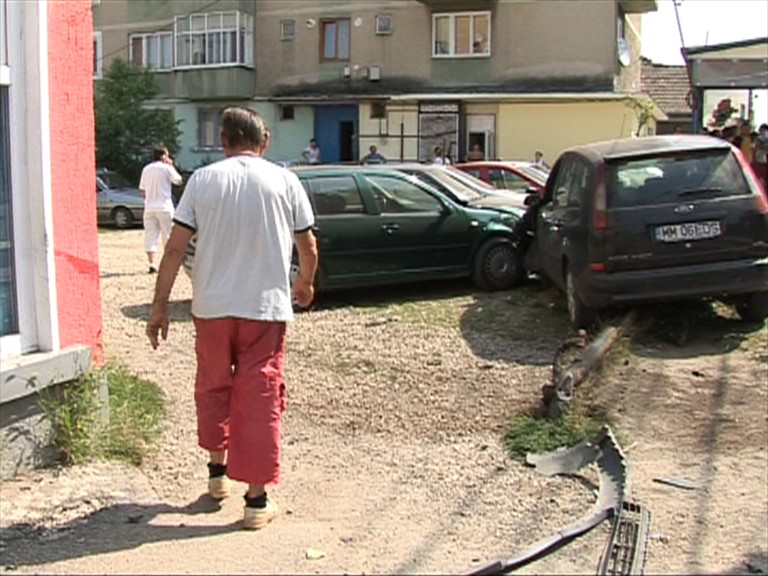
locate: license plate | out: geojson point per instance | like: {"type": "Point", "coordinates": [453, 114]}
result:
{"type": "Point", "coordinates": [688, 231]}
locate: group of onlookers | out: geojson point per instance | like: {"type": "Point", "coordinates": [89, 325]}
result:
{"type": "Point", "coordinates": [753, 144]}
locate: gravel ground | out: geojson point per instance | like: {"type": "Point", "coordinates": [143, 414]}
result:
{"type": "Point", "coordinates": [393, 460]}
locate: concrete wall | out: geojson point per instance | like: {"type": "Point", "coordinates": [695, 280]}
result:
{"type": "Point", "coordinates": [628, 78]}
{"type": "Point", "coordinates": [532, 41]}
{"type": "Point", "coordinates": [290, 137]}
{"type": "Point", "coordinates": [540, 40]}
{"type": "Point", "coordinates": [524, 128]}
{"type": "Point", "coordinates": [24, 437]}
{"type": "Point", "coordinates": [297, 61]}
{"type": "Point", "coordinates": [285, 144]}
{"type": "Point", "coordinates": [75, 239]}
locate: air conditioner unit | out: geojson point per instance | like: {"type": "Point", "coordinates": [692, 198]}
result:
{"type": "Point", "coordinates": [374, 73]}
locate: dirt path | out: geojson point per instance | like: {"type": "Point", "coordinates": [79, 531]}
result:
{"type": "Point", "coordinates": [393, 460]}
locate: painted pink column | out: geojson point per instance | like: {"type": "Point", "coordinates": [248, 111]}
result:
{"type": "Point", "coordinates": [75, 235]}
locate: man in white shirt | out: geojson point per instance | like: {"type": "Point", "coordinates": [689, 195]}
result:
{"type": "Point", "coordinates": [247, 214]}
{"type": "Point", "coordinates": [312, 153]}
{"type": "Point", "coordinates": [157, 177]}
{"type": "Point", "coordinates": [538, 160]}
{"type": "Point", "coordinates": [440, 159]}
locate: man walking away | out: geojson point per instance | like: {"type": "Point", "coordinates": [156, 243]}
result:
{"type": "Point", "coordinates": [247, 213]}
{"type": "Point", "coordinates": [155, 184]}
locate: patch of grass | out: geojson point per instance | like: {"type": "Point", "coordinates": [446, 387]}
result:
{"type": "Point", "coordinates": [588, 412]}
{"type": "Point", "coordinates": [78, 431]}
{"type": "Point", "coordinates": [440, 313]}
{"type": "Point", "coordinates": [534, 433]}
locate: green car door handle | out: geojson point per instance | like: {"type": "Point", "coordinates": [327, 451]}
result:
{"type": "Point", "coordinates": [389, 228]}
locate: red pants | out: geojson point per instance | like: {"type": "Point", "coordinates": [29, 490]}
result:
{"type": "Point", "coordinates": [240, 395]}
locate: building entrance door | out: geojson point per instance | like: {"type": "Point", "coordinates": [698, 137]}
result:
{"type": "Point", "coordinates": [481, 130]}
{"type": "Point", "coordinates": [335, 132]}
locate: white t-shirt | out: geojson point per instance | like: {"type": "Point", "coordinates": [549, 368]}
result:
{"type": "Point", "coordinates": [441, 161]}
{"type": "Point", "coordinates": [313, 154]}
{"type": "Point", "coordinates": [245, 211]}
{"type": "Point", "coordinates": [156, 180]}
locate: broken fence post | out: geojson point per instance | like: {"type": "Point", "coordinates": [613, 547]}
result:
{"type": "Point", "coordinates": [565, 387]}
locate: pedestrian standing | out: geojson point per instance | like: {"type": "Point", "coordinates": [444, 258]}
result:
{"type": "Point", "coordinates": [312, 153]}
{"type": "Point", "coordinates": [538, 160]}
{"type": "Point", "coordinates": [247, 214]}
{"type": "Point", "coordinates": [439, 158]}
{"type": "Point", "coordinates": [157, 177]}
{"type": "Point", "coordinates": [373, 156]}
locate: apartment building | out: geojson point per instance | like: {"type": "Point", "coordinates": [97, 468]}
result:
{"type": "Point", "coordinates": [406, 75]}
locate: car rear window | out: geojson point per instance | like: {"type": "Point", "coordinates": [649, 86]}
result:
{"type": "Point", "coordinates": [679, 177]}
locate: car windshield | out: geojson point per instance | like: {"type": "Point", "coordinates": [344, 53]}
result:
{"type": "Point", "coordinates": [438, 178]}
{"type": "Point", "coordinates": [113, 180]}
{"type": "Point", "coordinates": [459, 187]}
{"type": "Point", "coordinates": [647, 181]}
{"type": "Point", "coordinates": [533, 173]}
{"type": "Point", "coordinates": [479, 186]}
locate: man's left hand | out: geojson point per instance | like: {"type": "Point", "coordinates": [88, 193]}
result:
{"type": "Point", "coordinates": [157, 325]}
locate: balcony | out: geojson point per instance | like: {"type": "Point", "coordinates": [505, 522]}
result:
{"type": "Point", "coordinates": [638, 6]}
{"type": "Point", "coordinates": [225, 82]}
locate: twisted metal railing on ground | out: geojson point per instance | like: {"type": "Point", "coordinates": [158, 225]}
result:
{"type": "Point", "coordinates": [626, 550]}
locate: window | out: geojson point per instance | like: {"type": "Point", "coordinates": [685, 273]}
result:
{"type": "Point", "coordinates": [563, 182]}
{"type": "Point", "coordinates": [153, 50]}
{"type": "Point", "coordinates": [9, 318]}
{"type": "Point", "coordinates": [287, 112]}
{"type": "Point", "coordinates": [287, 29]}
{"type": "Point", "coordinates": [97, 54]}
{"type": "Point", "coordinates": [395, 195]}
{"type": "Point", "coordinates": [335, 40]}
{"type": "Point", "coordinates": [336, 195]}
{"type": "Point", "coordinates": [383, 24]}
{"type": "Point", "coordinates": [378, 110]}
{"type": "Point", "coordinates": [214, 39]}
{"type": "Point", "coordinates": [464, 34]}
{"type": "Point", "coordinates": [505, 180]}
{"type": "Point", "coordinates": [642, 182]}
{"type": "Point", "coordinates": [208, 128]}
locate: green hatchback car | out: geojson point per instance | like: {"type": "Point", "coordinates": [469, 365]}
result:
{"type": "Point", "coordinates": [376, 226]}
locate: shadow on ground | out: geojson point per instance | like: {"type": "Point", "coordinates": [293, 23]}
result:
{"type": "Point", "coordinates": [178, 311]}
{"type": "Point", "coordinates": [754, 563]}
{"type": "Point", "coordinates": [118, 527]}
{"type": "Point", "coordinates": [691, 329]}
{"type": "Point", "coordinates": [384, 296]}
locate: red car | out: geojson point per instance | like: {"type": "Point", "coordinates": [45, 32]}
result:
{"type": "Point", "coordinates": [513, 175]}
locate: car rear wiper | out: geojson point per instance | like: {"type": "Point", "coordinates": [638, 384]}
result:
{"type": "Point", "coordinates": [694, 191]}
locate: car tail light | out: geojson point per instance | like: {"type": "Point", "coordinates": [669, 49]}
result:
{"type": "Point", "coordinates": [597, 266]}
{"type": "Point", "coordinates": [754, 183]}
{"type": "Point", "coordinates": [600, 206]}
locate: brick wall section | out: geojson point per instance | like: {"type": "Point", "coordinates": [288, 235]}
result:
{"type": "Point", "coordinates": [75, 236]}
